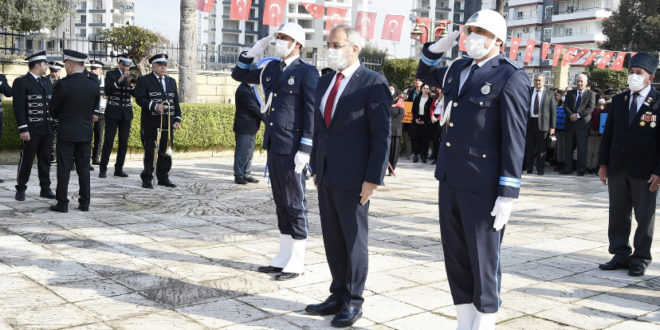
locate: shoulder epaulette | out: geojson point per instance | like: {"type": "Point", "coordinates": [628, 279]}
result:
{"type": "Point", "coordinates": [512, 62]}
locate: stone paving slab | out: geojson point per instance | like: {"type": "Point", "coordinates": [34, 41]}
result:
{"type": "Point", "coordinates": [186, 258]}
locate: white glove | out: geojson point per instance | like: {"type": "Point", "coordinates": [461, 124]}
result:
{"type": "Point", "coordinates": [259, 47]}
{"type": "Point", "coordinates": [301, 160]}
{"type": "Point", "coordinates": [445, 43]}
{"type": "Point", "coordinates": [501, 211]}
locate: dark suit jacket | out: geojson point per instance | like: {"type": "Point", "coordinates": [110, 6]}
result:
{"type": "Point", "coordinates": [426, 117]}
{"type": "Point", "coordinates": [396, 116]}
{"type": "Point", "coordinates": [74, 100]}
{"type": "Point", "coordinates": [587, 105]}
{"type": "Point", "coordinates": [633, 148]}
{"type": "Point", "coordinates": [547, 111]}
{"type": "Point", "coordinates": [355, 147]}
{"type": "Point", "coordinates": [119, 104]}
{"type": "Point", "coordinates": [30, 103]}
{"type": "Point", "coordinates": [149, 93]}
{"type": "Point", "coordinates": [248, 116]}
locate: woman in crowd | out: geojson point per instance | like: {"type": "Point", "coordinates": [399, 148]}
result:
{"type": "Point", "coordinates": [396, 115]}
{"type": "Point", "coordinates": [594, 134]}
{"type": "Point", "coordinates": [419, 129]}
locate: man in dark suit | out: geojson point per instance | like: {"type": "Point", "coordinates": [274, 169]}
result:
{"type": "Point", "coordinates": [578, 105]}
{"type": "Point", "coordinates": [5, 89]}
{"type": "Point", "coordinates": [247, 120]}
{"type": "Point", "coordinates": [629, 160]}
{"type": "Point", "coordinates": [32, 93]}
{"type": "Point", "coordinates": [119, 87]}
{"type": "Point", "coordinates": [74, 104]}
{"type": "Point", "coordinates": [542, 120]}
{"type": "Point", "coordinates": [96, 67]}
{"type": "Point", "coordinates": [349, 160]}
{"type": "Point", "coordinates": [151, 91]}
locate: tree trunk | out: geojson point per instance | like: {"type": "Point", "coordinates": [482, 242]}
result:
{"type": "Point", "coordinates": [188, 52]}
{"type": "Point", "coordinates": [499, 6]}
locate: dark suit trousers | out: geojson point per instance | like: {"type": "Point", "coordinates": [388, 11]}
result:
{"type": "Point", "coordinates": [628, 194]}
{"type": "Point", "coordinates": [41, 146]}
{"type": "Point", "coordinates": [111, 126]}
{"type": "Point", "coordinates": [289, 195]}
{"type": "Point", "coordinates": [535, 147]}
{"type": "Point", "coordinates": [67, 154]}
{"type": "Point", "coordinates": [344, 223]}
{"type": "Point", "coordinates": [471, 247]}
{"type": "Point", "coordinates": [576, 136]}
{"type": "Point", "coordinates": [420, 139]}
{"type": "Point", "coordinates": [98, 137]}
{"type": "Point", "coordinates": [435, 138]}
{"type": "Point", "coordinates": [395, 148]}
{"type": "Point", "coordinates": [164, 162]}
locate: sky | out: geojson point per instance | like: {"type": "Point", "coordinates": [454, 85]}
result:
{"type": "Point", "coordinates": [163, 16]}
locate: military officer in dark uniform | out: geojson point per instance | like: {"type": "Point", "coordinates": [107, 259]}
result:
{"type": "Point", "coordinates": [96, 67]}
{"type": "Point", "coordinates": [75, 102]}
{"type": "Point", "coordinates": [55, 69]}
{"type": "Point", "coordinates": [151, 91]}
{"type": "Point", "coordinates": [32, 94]}
{"type": "Point", "coordinates": [479, 161]}
{"type": "Point", "coordinates": [629, 159]}
{"type": "Point", "coordinates": [289, 85]}
{"type": "Point", "coordinates": [5, 89]}
{"type": "Point", "coordinates": [119, 87]}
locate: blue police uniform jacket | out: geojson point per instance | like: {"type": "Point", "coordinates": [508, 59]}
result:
{"type": "Point", "coordinates": [290, 119]}
{"type": "Point", "coordinates": [483, 142]}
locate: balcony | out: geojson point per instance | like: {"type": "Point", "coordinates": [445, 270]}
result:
{"type": "Point", "coordinates": [97, 10]}
{"type": "Point", "coordinates": [576, 39]}
{"type": "Point", "coordinates": [83, 24]}
{"type": "Point", "coordinates": [514, 3]}
{"type": "Point", "coordinates": [580, 14]}
{"type": "Point", "coordinates": [97, 24]}
{"type": "Point", "coordinates": [523, 21]}
{"type": "Point", "coordinates": [231, 31]}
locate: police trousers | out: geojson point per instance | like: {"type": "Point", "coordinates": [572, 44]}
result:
{"type": "Point", "coordinates": [111, 127]}
{"type": "Point", "coordinates": [40, 145]}
{"type": "Point", "coordinates": [67, 154]}
{"type": "Point", "coordinates": [471, 247]}
{"type": "Point", "coordinates": [164, 162]}
{"type": "Point", "coordinates": [289, 194]}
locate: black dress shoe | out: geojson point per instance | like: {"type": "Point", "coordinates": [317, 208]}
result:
{"type": "Point", "coordinates": [346, 316]}
{"type": "Point", "coordinates": [102, 174]}
{"type": "Point", "coordinates": [147, 184]}
{"type": "Point", "coordinates": [240, 181]}
{"type": "Point", "coordinates": [20, 195]}
{"type": "Point", "coordinates": [47, 193]}
{"type": "Point", "coordinates": [637, 269]}
{"type": "Point", "coordinates": [121, 174]}
{"type": "Point", "coordinates": [580, 173]}
{"type": "Point", "coordinates": [415, 159]}
{"type": "Point", "coordinates": [286, 276]}
{"type": "Point", "coordinates": [91, 168]}
{"type": "Point", "coordinates": [167, 183]}
{"type": "Point", "coordinates": [269, 269]}
{"type": "Point", "coordinates": [613, 265]}
{"type": "Point", "coordinates": [434, 161]}
{"type": "Point", "coordinates": [83, 208]}
{"type": "Point", "coordinates": [59, 208]}
{"type": "Point", "coordinates": [95, 161]}
{"type": "Point", "coordinates": [424, 160]}
{"type": "Point", "coordinates": [327, 307]}
{"type": "Point", "coordinates": [250, 179]}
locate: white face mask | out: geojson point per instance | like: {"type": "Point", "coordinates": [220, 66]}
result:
{"type": "Point", "coordinates": [282, 48]}
{"type": "Point", "coordinates": [636, 82]}
{"type": "Point", "coordinates": [475, 46]}
{"type": "Point", "coordinates": [336, 59]}
{"type": "Point", "coordinates": [601, 101]}
{"type": "Point", "coordinates": [392, 92]}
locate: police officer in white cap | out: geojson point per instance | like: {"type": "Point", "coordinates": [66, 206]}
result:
{"type": "Point", "coordinates": [479, 161]}
{"type": "Point", "coordinates": [289, 85]}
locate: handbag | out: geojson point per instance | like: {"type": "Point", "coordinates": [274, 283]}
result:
{"type": "Point", "coordinates": [551, 141]}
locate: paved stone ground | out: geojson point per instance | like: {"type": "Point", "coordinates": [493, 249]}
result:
{"type": "Point", "coordinates": [186, 258]}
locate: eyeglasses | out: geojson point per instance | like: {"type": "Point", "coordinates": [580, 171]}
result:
{"type": "Point", "coordinates": [334, 45]}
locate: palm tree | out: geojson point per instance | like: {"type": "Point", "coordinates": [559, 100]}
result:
{"type": "Point", "coordinates": [188, 52]}
{"type": "Point", "coordinates": [499, 6]}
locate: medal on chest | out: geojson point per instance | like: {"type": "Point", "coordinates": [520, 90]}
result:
{"type": "Point", "coordinates": [485, 89]}
{"type": "Point", "coordinates": [291, 81]}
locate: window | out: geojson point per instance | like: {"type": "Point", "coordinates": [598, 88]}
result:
{"type": "Point", "coordinates": [569, 32]}
{"type": "Point", "coordinates": [249, 39]}
{"type": "Point", "coordinates": [521, 15]}
{"type": "Point", "coordinates": [548, 12]}
{"type": "Point", "coordinates": [547, 32]}
{"type": "Point", "coordinates": [249, 26]}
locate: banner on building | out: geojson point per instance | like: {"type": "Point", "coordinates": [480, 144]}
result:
{"type": "Point", "coordinates": [205, 5]}
{"type": "Point", "coordinates": [274, 12]}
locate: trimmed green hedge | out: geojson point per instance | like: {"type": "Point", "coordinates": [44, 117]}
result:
{"type": "Point", "coordinates": [204, 126]}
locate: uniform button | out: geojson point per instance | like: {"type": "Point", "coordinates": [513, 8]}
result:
{"type": "Point", "coordinates": [483, 156]}
{"type": "Point", "coordinates": [455, 104]}
{"type": "Point", "coordinates": [274, 94]}
{"type": "Point", "coordinates": [481, 104]}
{"type": "Point", "coordinates": [448, 144]}
{"type": "Point", "coordinates": [271, 124]}
{"type": "Point", "coordinates": [451, 124]}
{"type": "Point", "coordinates": [290, 92]}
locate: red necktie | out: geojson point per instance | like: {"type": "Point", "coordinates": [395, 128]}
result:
{"type": "Point", "coordinates": [330, 103]}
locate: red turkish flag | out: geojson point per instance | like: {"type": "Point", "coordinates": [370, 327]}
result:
{"type": "Point", "coordinates": [274, 12]}
{"type": "Point", "coordinates": [605, 60]}
{"type": "Point", "coordinates": [424, 24]}
{"type": "Point", "coordinates": [392, 27]}
{"type": "Point", "coordinates": [333, 17]}
{"type": "Point", "coordinates": [618, 61]}
{"type": "Point", "coordinates": [557, 54]}
{"type": "Point", "coordinates": [365, 23]}
{"type": "Point", "coordinates": [313, 9]}
{"type": "Point", "coordinates": [513, 49]}
{"type": "Point", "coordinates": [568, 56]}
{"type": "Point", "coordinates": [205, 5]}
{"type": "Point", "coordinates": [545, 48]}
{"type": "Point", "coordinates": [462, 39]}
{"type": "Point", "coordinates": [529, 50]}
{"type": "Point", "coordinates": [240, 10]}
{"type": "Point", "coordinates": [579, 55]}
{"type": "Point", "coordinates": [591, 57]}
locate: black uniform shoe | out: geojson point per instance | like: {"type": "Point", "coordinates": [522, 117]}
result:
{"type": "Point", "coordinates": [613, 264]}
{"type": "Point", "coordinates": [637, 269]}
{"type": "Point", "coordinates": [250, 179]}
{"type": "Point", "coordinates": [540, 172]}
{"type": "Point", "coordinates": [415, 159]}
{"type": "Point", "coordinates": [346, 316]}
{"type": "Point", "coordinates": [240, 181]}
{"type": "Point", "coordinates": [121, 174]}
{"type": "Point", "coordinates": [20, 195]}
{"type": "Point", "coordinates": [286, 276]}
{"type": "Point", "coordinates": [95, 161]}
{"type": "Point", "coordinates": [102, 174]}
{"type": "Point", "coordinates": [147, 184]}
{"type": "Point", "coordinates": [328, 307]}
{"type": "Point", "coordinates": [167, 183]}
{"type": "Point", "coordinates": [424, 160]}
{"type": "Point", "coordinates": [91, 168]}
{"type": "Point", "coordinates": [269, 269]}
{"type": "Point", "coordinates": [47, 193]}
{"type": "Point", "coordinates": [83, 208]}
{"type": "Point", "coordinates": [59, 208]}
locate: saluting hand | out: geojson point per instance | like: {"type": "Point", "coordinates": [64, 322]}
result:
{"type": "Point", "coordinates": [655, 182]}
{"type": "Point", "coordinates": [368, 189]}
{"type": "Point", "coordinates": [445, 43]}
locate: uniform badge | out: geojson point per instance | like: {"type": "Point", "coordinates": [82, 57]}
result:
{"type": "Point", "coordinates": [267, 79]}
{"type": "Point", "coordinates": [450, 79]}
{"type": "Point", "coordinates": [652, 124]}
{"type": "Point", "coordinates": [642, 123]}
{"type": "Point", "coordinates": [485, 89]}
{"type": "Point", "coordinates": [292, 80]}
